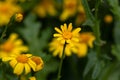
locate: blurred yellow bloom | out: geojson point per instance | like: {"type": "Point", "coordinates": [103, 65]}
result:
{"type": "Point", "coordinates": [18, 17]}
{"type": "Point", "coordinates": [66, 34]}
{"type": "Point", "coordinates": [81, 16]}
{"type": "Point", "coordinates": [38, 61]}
{"type": "Point", "coordinates": [32, 78]}
{"type": "Point", "coordinates": [86, 39]}
{"type": "Point", "coordinates": [69, 9]}
{"type": "Point", "coordinates": [108, 18]}
{"type": "Point", "coordinates": [12, 46]}
{"type": "Point", "coordinates": [7, 9]}
{"type": "Point", "coordinates": [20, 63]}
{"type": "Point", "coordinates": [57, 48]}
{"type": "Point", "coordinates": [46, 7]}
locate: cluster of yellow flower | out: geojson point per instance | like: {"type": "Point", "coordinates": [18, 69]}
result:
{"type": "Point", "coordinates": [12, 50]}
{"type": "Point", "coordinates": [75, 42]}
{"type": "Point", "coordinates": [44, 8]}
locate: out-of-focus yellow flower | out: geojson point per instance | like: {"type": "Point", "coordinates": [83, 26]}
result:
{"type": "Point", "coordinates": [66, 34]}
{"type": "Point", "coordinates": [18, 17]}
{"type": "Point", "coordinates": [32, 78]}
{"type": "Point", "coordinates": [20, 63]}
{"type": "Point", "coordinates": [86, 39]}
{"type": "Point", "coordinates": [38, 61]}
{"type": "Point", "coordinates": [81, 16]}
{"type": "Point", "coordinates": [46, 7]}
{"type": "Point", "coordinates": [69, 9]}
{"type": "Point", "coordinates": [108, 18]}
{"type": "Point", "coordinates": [7, 9]}
{"type": "Point", "coordinates": [57, 48]}
{"type": "Point", "coordinates": [12, 46]}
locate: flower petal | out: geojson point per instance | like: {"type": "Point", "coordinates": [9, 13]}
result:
{"type": "Point", "coordinates": [27, 68]}
{"type": "Point", "coordinates": [32, 64]}
{"type": "Point", "coordinates": [70, 27]}
{"type": "Point", "coordinates": [58, 30]}
{"type": "Point", "coordinates": [19, 68]}
{"type": "Point", "coordinates": [13, 63]}
{"type": "Point", "coordinates": [57, 35]}
{"type": "Point", "coordinates": [76, 31]}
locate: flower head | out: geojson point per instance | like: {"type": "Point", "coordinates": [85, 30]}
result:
{"type": "Point", "coordinates": [23, 62]}
{"type": "Point", "coordinates": [7, 9]}
{"type": "Point", "coordinates": [32, 78]}
{"type": "Point", "coordinates": [38, 61]}
{"type": "Point", "coordinates": [108, 18]}
{"type": "Point", "coordinates": [66, 34]}
{"type": "Point", "coordinates": [12, 46]}
{"type": "Point", "coordinates": [45, 7]}
{"type": "Point", "coordinates": [86, 39]}
{"type": "Point", "coordinates": [18, 17]}
{"type": "Point", "coordinates": [57, 48]}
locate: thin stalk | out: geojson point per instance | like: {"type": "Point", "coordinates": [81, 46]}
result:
{"type": "Point", "coordinates": [61, 62]}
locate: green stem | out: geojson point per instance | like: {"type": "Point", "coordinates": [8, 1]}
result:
{"type": "Point", "coordinates": [3, 33]}
{"type": "Point", "coordinates": [61, 62]}
{"type": "Point", "coordinates": [94, 20]}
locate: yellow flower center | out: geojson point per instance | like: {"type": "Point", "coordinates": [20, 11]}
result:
{"type": "Point", "coordinates": [4, 9]}
{"type": "Point", "coordinates": [67, 35]}
{"type": "Point", "coordinates": [8, 46]}
{"type": "Point", "coordinates": [22, 58]}
{"type": "Point", "coordinates": [36, 60]}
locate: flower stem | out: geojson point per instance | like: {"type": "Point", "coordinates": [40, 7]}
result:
{"type": "Point", "coordinates": [94, 19]}
{"type": "Point", "coordinates": [61, 62]}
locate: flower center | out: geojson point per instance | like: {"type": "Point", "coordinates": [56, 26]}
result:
{"type": "Point", "coordinates": [22, 58]}
{"type": "Point", "coordinates": [85, 38]}
{"type": "Point", "coordinates": [67, 35]}
{"type": "Point", "coordinates": [8, 46]}
{"type": "Point", "coordinates": [37, 60]}
{"type": "Point", "coordinates": [4, 9]}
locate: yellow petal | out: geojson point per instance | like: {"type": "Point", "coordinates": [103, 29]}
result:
{"type": "Point", "coordinates": [13, 63]}
{"type": "Point", "coordinates": [32, 64]}
{"type": "Point", "coordinates": [4, 59]}
{"type": "Point", "coordinates": [70, 27]}
{"type": "Point", "coordinates": [57, 35]}
{"type": "Point", "coordinates": [27, 68]}
{"type": "Point", "coordinates": [58, 30]}
{"type": "Point", "coordinates": [19, 68]}
{"type": "Point", "coordinates": [32, 78]}
{"type": "Point", "coordinates": [76, 31]}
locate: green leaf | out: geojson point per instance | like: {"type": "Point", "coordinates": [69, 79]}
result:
{"type": "Point", "coordinates": [91, 62]}
{"type": "Point", "coordinates": [97, 69]}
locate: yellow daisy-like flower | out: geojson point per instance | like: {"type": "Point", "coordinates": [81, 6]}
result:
{"type": "Point", "coordinates": [12, 46]}
{"type": "Point", "coordinates": [108, 18]}
{"type": "Point", "coordinates": [32, 78]}
{"type": "Point", "coordinates": [7, 9]}
{"type": "Point", "coordinates": [38, 61]}
{"type": "Point", "coordinates": [57, 48]}
{"type": "Point", "coordinates": [66, 34]}
{"type": "Point", "coordinates": [86, 39]}
{"type": "Point", "coordinates": [20, 63]}
{"type": "Point", "coordinates": [46, 7]}
{"type": "Point", "coordinates": [69, 9]}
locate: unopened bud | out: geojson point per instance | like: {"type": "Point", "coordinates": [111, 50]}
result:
{"type": "Point", "coordinates": [18, 17]}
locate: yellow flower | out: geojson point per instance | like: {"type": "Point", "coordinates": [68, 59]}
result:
{"type": "Point", "coordinates": [18, 17]}
{"type": "Point", "coordinates": [66, 34]}
{"type": "Point", "coordinates": [57, 48]}
{"type": "Point", "coordinates": [12, 46]}
{"type": "Point", "coordinates": [108, 18]}
{"type": "Point", "coordinates": [69, 9]}
{"type": "Point", "coordinates": [86, 39]}
{"type": "Point", "coordinates": [20, 63]}
{"type": "Point", "coordinates": [45, 7]}
{"type": "Point", "coordinates": [7, 9]}
{"type": "Point", "coordinates": [38, 61]}
{"type": "Point", "coordinates": [32, 78]}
